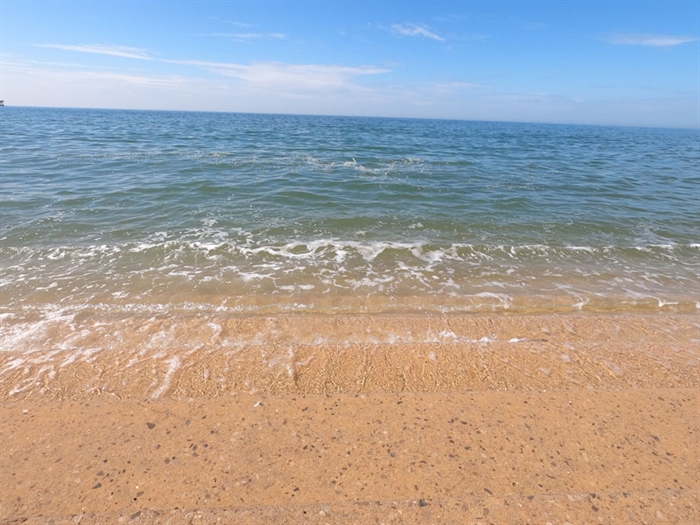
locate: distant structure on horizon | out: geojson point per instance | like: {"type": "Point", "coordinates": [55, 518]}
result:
{"type": "Point", "coordinates": [2, 103]}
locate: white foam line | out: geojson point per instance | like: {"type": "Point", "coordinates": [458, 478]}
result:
{"type": "Point", "coordinates": [12, 365]}
{"type": "Point", "coordinates": [18, 388]}
{"type": "Point", "coordinates": [312, 248]}
{"type": "Point", "coordinates": [173, 365]}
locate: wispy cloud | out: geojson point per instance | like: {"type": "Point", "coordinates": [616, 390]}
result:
{"type": "Point", "coordinates": [453, 87]}
{"type": "Point", "coordinates": [67, 73]}
{"type": "Point", "coordinates": [144, 80]}
{"type": "Point", "coordinates": [238, 24]}
{"type": "Point", "coordinates": [293, 75]}
{"type": "Point", "coordinates": [419, 30]}
{"type": "Point", "coordinates": [627, 39]}
{"type": "Point", "coordinates": [235, 23]}
{"type": "Point", "coordinates": [266, 74]}
{"type": "Point", "coordinates": [118, 51]}
{"type": "Point", "coordinates": [247, 37]}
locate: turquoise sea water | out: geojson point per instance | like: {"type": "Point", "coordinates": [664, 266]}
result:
{"type": "Point", "coordinates": [134, 211]}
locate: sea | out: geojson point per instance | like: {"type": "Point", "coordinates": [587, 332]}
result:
{"type": "Point", "coordinates": [109, 213]}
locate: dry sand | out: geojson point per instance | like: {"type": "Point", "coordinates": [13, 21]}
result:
{"type": "Point", "coordinates": [353, 419]}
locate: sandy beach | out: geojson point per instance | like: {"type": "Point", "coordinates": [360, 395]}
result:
{"type": "Point", "coordinates": [355, 419]}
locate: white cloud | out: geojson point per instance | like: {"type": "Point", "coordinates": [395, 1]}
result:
{"type": "Point", "coordinates": [293, 75]}
{"type": "Point", "coordinates": [442, 88]}
{"type": "Point", "coordinates": [415, 30]}
{"type": "Point", "coordinates": [267, 90]}
{"type": "Point", "coordinates": [247, 37]}
{"type": "Point", "coordinates": [56, 72]}
{"type": "Point", "coordinates": [230, 22]}
{"type": "Point", "coordinates": [649, 40]}
{"type": "Point", "coordinates": [118, 51]}
{"type": "Point", "coordinates": [238, 24]}
{"type": "Point", "coordinates": [143, 80]}
{"type": "Point", "coordinates": [259, 74]}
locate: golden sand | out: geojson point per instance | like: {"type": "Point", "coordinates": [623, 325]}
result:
{"type": "Point", "coordinates": [353, 419]}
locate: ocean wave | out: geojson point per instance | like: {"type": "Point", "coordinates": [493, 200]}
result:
{"type": "Point", "coordinates": [243, 264]}
{"type": "Point", "coordinates": [427, 251]}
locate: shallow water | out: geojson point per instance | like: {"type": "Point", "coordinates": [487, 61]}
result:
{"type": "Point", "coordinates": [133, 211]}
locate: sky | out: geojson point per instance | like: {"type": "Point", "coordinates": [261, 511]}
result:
{"type": "Point", "coordinates": [630, 63]}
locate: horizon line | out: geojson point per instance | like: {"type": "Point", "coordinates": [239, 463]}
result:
{"type": "Point", "coordinates": [333, 115]}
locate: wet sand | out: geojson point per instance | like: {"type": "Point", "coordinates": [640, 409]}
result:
{"type": "Point", "coordinates": [353, 419]}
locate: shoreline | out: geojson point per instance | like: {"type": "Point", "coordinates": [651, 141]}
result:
{"type": "Point", "coordinates": [148, 357]}
{"type": "Point", "coordinates": [355, 419]}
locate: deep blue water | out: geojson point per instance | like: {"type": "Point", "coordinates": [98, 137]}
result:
{"type": "Point", "coordinates": [125, 208]}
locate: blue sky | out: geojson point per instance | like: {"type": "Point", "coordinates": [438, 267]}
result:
{"type": "Point", "coordinates": [591, 62]}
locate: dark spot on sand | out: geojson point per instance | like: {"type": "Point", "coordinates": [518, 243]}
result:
{"type": "Point", "coordinates": [97, 486]}
{"type": "Point", "coordinates": [135, 515]}
{"type": "Point", "coordinates": [422, 503]}
{"type": "Point", "coordinates": [151, 426]}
